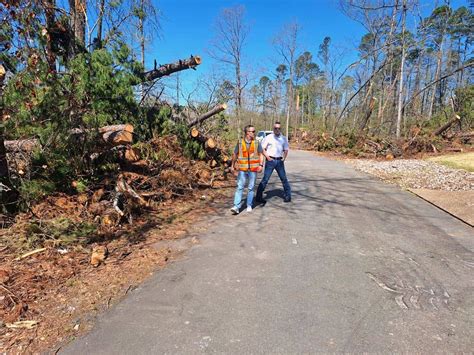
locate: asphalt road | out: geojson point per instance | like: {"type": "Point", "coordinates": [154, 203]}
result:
{"type": "Point", "coordinates": [351, 265]}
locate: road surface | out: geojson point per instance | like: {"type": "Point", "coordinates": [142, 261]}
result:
{"type": "Point", "coordinates": [351, 265]}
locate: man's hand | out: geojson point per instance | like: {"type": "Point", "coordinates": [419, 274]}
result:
{"type": "Point", "coordinates": [260, 168]}
{"type": "Point", "coordinates": [234, 172]}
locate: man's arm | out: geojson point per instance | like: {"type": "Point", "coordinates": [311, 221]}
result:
{"type": "Point", "coordinates": [264, 147]}
{"type": "Point", "coordinates": [260, 156]}
{"type": "Point", "coordinates": [286, 148]}
{"type": "Point", "coordinates": [234, 159]}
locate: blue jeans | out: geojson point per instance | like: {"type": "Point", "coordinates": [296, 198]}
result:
{"type": "Point", "coordinates": [279, 166]}
{"type": "Point", "coordinates": [241, 178]}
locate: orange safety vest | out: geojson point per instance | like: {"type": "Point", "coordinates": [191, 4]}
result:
{"type": "Point", "coordinates": [248, 160]}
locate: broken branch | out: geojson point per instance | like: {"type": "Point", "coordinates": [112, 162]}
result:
{"type": "Point", "coordinates": [168, 69]}
{"type": "Point", "coordinates": [205, 116]}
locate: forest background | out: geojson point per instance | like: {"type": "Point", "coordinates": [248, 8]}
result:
{"type": "Point", "coordinates": [387, 69]}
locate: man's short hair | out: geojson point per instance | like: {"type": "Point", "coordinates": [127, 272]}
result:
{"type": "Point", "coordinates": [246, 128]}
{"type": "Point", "coordinates": [277, 122]}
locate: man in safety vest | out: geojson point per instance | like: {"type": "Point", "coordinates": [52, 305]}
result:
{"type": "Point", "coordinates": [247, 161]}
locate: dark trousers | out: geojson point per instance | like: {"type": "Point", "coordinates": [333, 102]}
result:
{"type": "Point", "coordinates": [279, 166]}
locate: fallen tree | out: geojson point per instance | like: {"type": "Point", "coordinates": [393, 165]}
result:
{"type": "Point", "coordinates": [200, 119]}
{"type": "Point", "coordinates": [447, 125]}
{"type": "Point", "coordinates": [121, 134]}
{"type": "Point", "coordinates": [168, 69]}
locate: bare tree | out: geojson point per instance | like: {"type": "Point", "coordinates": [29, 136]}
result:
{"type": "Point", "coordinates": [402, 65]}
{"type": "Point", "coordinates": [231, 31]}
{"type": "Point", "coordinates": [286, 45]}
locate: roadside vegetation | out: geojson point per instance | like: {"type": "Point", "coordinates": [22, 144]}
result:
{"type": "Point", "coordinates": [98, 149]}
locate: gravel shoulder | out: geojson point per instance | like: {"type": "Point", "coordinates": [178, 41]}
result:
{"type": "Point", "coordinates": [450, 189]}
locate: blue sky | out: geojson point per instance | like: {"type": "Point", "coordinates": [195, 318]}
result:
{"type": "Point", "coordinates": [187, 28]}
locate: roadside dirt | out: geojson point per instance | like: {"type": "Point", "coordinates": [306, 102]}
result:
{"type": "Point", "coordinates": [63, 292]}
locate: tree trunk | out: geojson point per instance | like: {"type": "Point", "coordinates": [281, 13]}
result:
{"type": "Point", "coordinates": [168, 69]}
{"type": "Point", "coordinates": [8, 194]}
{"type": "Point", "coordinates": [437, 74]}
{"type": "Point", "coordinates": [205, 116]}
{"type": "Point", "coordinates": [49, 6]}
{"type": "Point", "coordinates": [80, 23]}
{"type": "Point", "coordinates": [400, 79]}
{"type": "Point", "coordinates": [100, 21]}
{"type": "Point", "coordinates": [446, 126]}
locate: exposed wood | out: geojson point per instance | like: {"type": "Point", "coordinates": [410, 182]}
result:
{"type": "Point", "coordinates": [121, 134]}
{"type": "Point", "coordinates": [124, 188]}
{"type": "Point", "coordinates": [205, 116]}
{"type": "Point", "coordinates": [117, 134]}
{"type": "Point", "coordinates": [446, 126]}
{"type": "Point", "coordinates": [33, 252]}
{"type": "Point", "coordinates": [132, 155]}
{"type": "Point", "coordinates": [197, 135]}
{"type": "Point", "coordinates": [168, 69]}
{"type": "Point", "coordinates": [210, 143]}
{"type": "Point", "coordinates": [368, 113]}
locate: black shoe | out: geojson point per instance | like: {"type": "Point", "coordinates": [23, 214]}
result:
{"type": "Point", "coordinates": [260, 200]}
{"type": "Point", "coordinates": [287, 199]}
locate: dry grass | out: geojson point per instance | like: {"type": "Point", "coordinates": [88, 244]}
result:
{"type": "Point", "coordinates": [458, 161]}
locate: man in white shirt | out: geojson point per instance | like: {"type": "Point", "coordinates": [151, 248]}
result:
{"type": "Point", "coordinates": [275, 149]}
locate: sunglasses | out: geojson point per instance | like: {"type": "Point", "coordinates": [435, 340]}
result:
{"type": "Point", "coordinates": [251, 131]}
{"type": "Point", "coordinates": [277, 128]}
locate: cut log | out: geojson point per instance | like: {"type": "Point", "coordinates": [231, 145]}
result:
{"type": "Point", "coordinates": [210, 143]}
{"type": "Point", "coordinates": [132, 155]}
{"type": "Point", "coordinates": [205, 116]}
{"type": "Point", "coordinates": [454, 150]}
{"type": "Point", "coordinates": [197, 135]}
{"type": "Point", "coordinates": [168, 69]}
{"type": "Point", "coordinates": [446, 126]}
{"type": "Point", "coordinates": [466, 137]}
{"type": "Point", "coordinates": [21, 145]}
{"type": "Point", "coordinates": [121, 134]}
{"type": "Point", "coordinates": [2, 73]}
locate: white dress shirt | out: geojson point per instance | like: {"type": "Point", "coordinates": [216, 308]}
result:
{"type": "Point", "coordinates": [275, 145]}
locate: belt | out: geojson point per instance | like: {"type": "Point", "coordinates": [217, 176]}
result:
{"type": "Point", "coordinates": [277, 158]}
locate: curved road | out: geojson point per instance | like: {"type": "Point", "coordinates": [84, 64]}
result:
{"type": "Point", "coordinates": [351, 265]}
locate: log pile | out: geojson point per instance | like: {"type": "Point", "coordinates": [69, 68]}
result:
{"type": "Point", "coordinates": [418, 141]}
{"type": "Point", "coordinates": [215, 155]}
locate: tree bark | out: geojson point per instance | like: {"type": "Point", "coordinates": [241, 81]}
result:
{"type": "Point", "coordinates": [446, 126]}
{"type": "Point", "coordinates": [121, 134]}
{"type": "Point", "coordinates": [168, 69]}
{"type": "Point", "coordinates": [202, 118]}
{"type": "Point", "coordinates": [100, 21]}
{"type": "Point", "coordinates": [4, 174]}
{"type": "Point", "coordinates": [8, 194]}
{"type": "Point", "coordinates": [49, 6]}
{"type": "Point", "coordinates": [400, 79]}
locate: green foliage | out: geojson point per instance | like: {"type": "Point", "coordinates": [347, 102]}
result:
{"type": "Point", "coordinates": [191, 148]}
{"type": "Point", "coordinates": [465, 103]}
{"type": "Point", "coordinates": [59, 231]}
{"type": "Point", "coordinates": [33, 190]}
{"type": "Point", "coordinates": [96, 90]}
